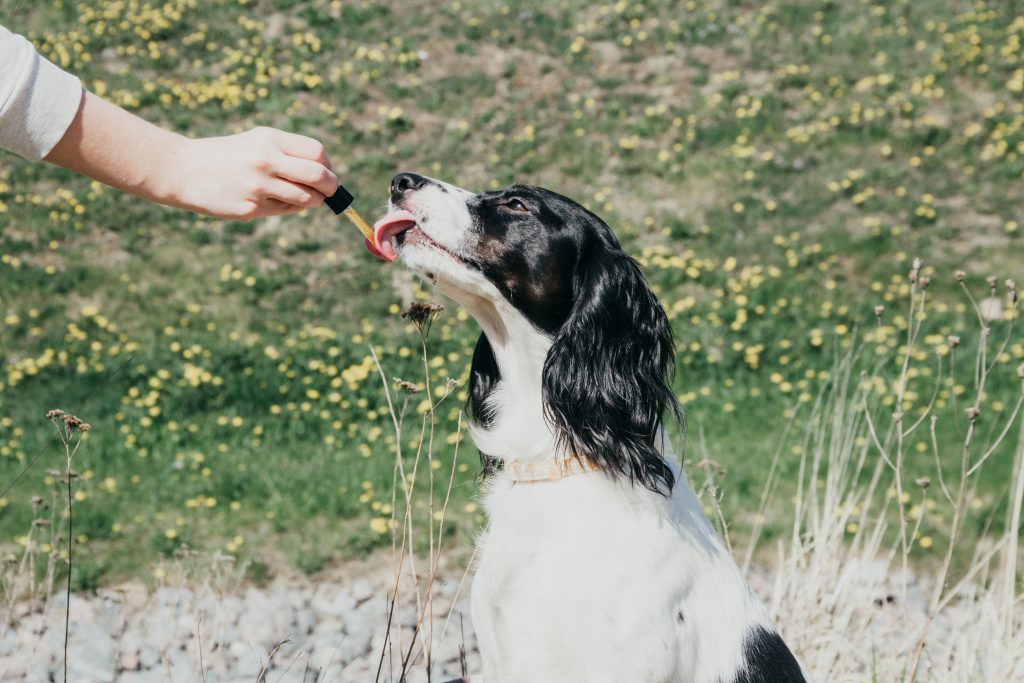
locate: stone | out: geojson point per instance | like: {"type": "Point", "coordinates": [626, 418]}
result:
{"type": "Point", "coordinates": [305, 621]}
{"type": "Point", "coordinates": [7, 639]}
{"type": "Point", "coordinates": [91, 656]}
{"type": "Point", "coordinates": [172, 597]}
{"type": "Point", "coordinates": [362, 591]}
{"type": "Point", "coordinates": [337, 605]}
{"type": "Point", "coordinates": [357, 670]}
{"type": "Point", "coordinates": [265, 621]}
{"type": "Point", "coordinates": [145, 676]}
{"type": "Point", "coordinates": [13, 667]}
{"type": "Point", "coordinates": [128, 661]}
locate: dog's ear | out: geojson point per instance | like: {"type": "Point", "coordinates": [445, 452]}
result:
{"type": "Point", "coordinates": [484, 375]}
{"type": "Point", "coordinates": [608, 374]}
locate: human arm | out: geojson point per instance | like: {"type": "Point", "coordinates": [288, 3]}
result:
{"type": "Point", "coordinates": [45, 113]}
{"type": "Point", "coordinates": [260, 172]}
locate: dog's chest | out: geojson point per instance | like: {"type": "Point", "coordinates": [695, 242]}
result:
{"type": "Point", "coordinates": [589, 579]}
{"type": "Point", "coordinates": [555, 562]}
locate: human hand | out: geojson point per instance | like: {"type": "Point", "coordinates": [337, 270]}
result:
{"type": "Point", "coordinates": [261, 172]}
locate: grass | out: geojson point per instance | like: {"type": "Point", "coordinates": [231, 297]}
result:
{"type": "Point", "coordinates": [842, 575]}
{"type": "Point", "coordinates": [774, 167]}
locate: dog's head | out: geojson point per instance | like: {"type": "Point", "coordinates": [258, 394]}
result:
{"type": "Point", "coordinates": [529, 252]}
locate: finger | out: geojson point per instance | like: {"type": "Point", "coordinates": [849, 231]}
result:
{"type": "Point", "coordinates": [305, 172]}
{"type": "Point", "coordinates": [299, 196]}
{"type": "Point", "coordinates": [269, 207]}
{"type": "Point", "coordinates": [302, 147]}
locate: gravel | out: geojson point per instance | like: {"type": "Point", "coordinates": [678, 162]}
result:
{"type": "Point", "coordinates": [316, 631]}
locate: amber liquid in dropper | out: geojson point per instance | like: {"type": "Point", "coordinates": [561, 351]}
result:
{"type": "Point", "coordinates": [358, 221]}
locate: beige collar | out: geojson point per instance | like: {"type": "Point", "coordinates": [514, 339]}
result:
{"type": "Point", "coordinates": [548, 470]}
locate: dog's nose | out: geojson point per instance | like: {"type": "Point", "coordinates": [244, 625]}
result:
{"type": "Point", "coordinates": [404, 183]}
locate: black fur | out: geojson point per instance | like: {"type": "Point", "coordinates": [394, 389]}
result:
{"type": "Point", "coordinates": [607, 377]}
{"type": "Point", "coordinates": [768, 660]}
{"type": "Point", "coordinates": [483, 377]}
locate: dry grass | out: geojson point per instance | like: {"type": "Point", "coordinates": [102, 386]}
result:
{"type": "Point", "coordinates": [843, 590]}
{"type": "Point", "coordinates": [849, 589]}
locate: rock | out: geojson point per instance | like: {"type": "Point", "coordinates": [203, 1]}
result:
{"type": "Point", "coordinates": [227, 635]}
{"type": "Point", "coordinates": [39, 673]}
{"type": "Point", "coordinates": [172, 597]}
{"type": "Point", "coordinates": [158, 626]}
{"type": "Point", "coordinates": [183, 669]}
{"type": "Point", "coordinates": [149, 656]}
{"type": "Point", "coordinates": [266, 621]}
{"type": "Point", "coordinates": [305, 621]}
{"type": "Point", "coordinates": [128, 661]}
{"type": "Point", "coordinates": [338, 605]}
{"type": "Point", "coordinates": [362, 591]}
{"type": "Point", "coordinates": [359, 630]}
{"type": "Point", "coordinates": [91, 656]}
{"type": "Point", "coordinates": [357, 670]}
{"type": "Point", "coordinates": [146, 676]}
{"type": "Point", "coordinates": [242, 653]}
{"type": "Point", "coordinates": [7, 640]}
{"type": "Point", "coordinates": [126, 634]}
{"type": "Point", "coordinates": [13, 667]}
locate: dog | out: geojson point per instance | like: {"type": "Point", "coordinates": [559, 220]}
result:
{"type": "Point", "coordinates": [598, 563]}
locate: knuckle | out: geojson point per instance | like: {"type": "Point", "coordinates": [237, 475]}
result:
{"type": "Point", "coordinates": [262, 163]}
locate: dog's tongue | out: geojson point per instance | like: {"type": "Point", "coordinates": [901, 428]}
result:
{"type": "Point", "coordinates": [385, 229]}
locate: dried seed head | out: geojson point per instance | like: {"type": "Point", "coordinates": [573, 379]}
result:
{"type": "Point", "coordinates": [924, 482]}
{"type": "Point", "coordinates": [54, 414]}
{"type": "Point", "coordinates": [897, 416]}
{"type": "Point", "coordinates": [879, 310]}
{"type": "Point", "coordinates": [953, 340]}
{"type": "Point", "coordinates": [959, 275]}
{"type": "Point", "coordinates": [991, 282]}
{"type": "Point", "coordinates": [1011, 284]}
{"type": "Point", "coordinates": [972, 413]}
{"type": "Point", "coordinates": [450, 384]}
{"type": "Point", "coordinates": [36, 501]}
{"type": "Point", "coordinates": [420, 312]}
{"type": "Point", "coordinates": [75, 424]}
{"type": "Point", "coordinates": [925, 281]}
{"type": "Point", "coordinates": [40, 523]}
{"type": "Point", "coordinates": [407, 387]}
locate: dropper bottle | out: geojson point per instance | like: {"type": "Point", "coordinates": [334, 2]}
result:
{"type": "Point", "coordinates": [341, 202]}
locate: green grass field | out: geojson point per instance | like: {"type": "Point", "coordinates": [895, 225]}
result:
{"type": "Point", "coordinates": [775, 166]}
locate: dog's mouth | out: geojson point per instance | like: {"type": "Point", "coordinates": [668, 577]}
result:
{"type": "Point", "coordinates": [399, 228]}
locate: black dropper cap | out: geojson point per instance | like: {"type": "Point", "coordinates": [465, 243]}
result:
{"type": "Point", "coordinates": [340, 200]}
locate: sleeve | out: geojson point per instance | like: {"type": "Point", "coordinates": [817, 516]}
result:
{"type": "Point", "coordinates": [38, 100]}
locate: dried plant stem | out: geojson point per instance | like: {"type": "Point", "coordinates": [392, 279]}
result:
{"type": "Point", "coordinates": [941, 593]}
{"type": "Point", "coordinates": [71, 536]}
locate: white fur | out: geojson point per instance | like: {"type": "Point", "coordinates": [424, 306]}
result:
{"type": "Point", "coordinates": [581, 579]}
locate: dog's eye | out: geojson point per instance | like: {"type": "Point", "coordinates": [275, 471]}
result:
{"type": "Point", "coordinates": [517, 205]}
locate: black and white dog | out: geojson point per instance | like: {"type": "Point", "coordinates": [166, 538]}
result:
{"type": "Point", "coordinates": [598, 563]}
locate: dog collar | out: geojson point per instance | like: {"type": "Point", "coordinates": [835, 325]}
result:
{"type": "Point", "coordinates": [548, 470]}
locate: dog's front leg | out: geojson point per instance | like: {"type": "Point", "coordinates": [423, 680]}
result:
{"type": "Point", "coordinates": [486, 638]}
